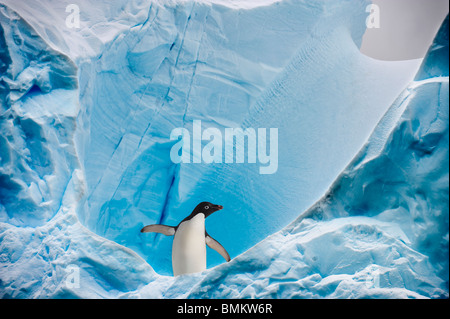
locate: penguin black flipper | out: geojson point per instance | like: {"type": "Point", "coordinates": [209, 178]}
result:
{"type": "Point", "coordinates": [214, 244]}
{"type": "Point", "coordinates": [158, 228]}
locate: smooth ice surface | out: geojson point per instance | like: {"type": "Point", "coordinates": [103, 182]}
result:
{"type": "Point", "coordinates": [84, 146]}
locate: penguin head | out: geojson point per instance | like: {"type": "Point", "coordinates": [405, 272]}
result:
{"type": "Point", "coordinates": [206, 208]}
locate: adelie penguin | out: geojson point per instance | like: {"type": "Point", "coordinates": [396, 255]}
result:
{"type": "Point", "coordinates": [190, 240]}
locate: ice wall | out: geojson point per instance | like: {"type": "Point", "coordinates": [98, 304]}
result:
{"type": "Point", "coordinates": [291, 65]}
{"type": "Point", "coordinates": [39, 105]}
{"type": "Point", "coordinates": [380, 231]}
{"type": "Point", "coordinates": [437, 56]}
{"type": "Point", "coordinates": [85, 152]}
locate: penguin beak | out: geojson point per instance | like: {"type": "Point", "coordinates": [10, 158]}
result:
{"type": "Point", "coordinates": [218, 207]}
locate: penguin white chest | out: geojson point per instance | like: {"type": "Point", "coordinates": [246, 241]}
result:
{"type": "Point", "coordinates": [189, 247]}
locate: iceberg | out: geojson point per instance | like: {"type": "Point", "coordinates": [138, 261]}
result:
{"type": "Point", "coordinates": [357, 208]}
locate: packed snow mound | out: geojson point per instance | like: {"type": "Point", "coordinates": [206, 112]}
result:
{"type": "Point", "coordinates": [85, 122]}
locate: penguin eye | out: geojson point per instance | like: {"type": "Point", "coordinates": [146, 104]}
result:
{"type": "Point", "coordinates": [206, 207]}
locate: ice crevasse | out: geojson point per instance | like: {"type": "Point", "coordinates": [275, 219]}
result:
{"type": "Point", "coordinates": [357, 208]}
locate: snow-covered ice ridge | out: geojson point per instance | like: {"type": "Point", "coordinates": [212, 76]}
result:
{"type": "Point", "coordinates": [359, 204]}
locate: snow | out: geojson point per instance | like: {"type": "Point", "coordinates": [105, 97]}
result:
{"type": "Point", "coordinates": [357, 208]}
